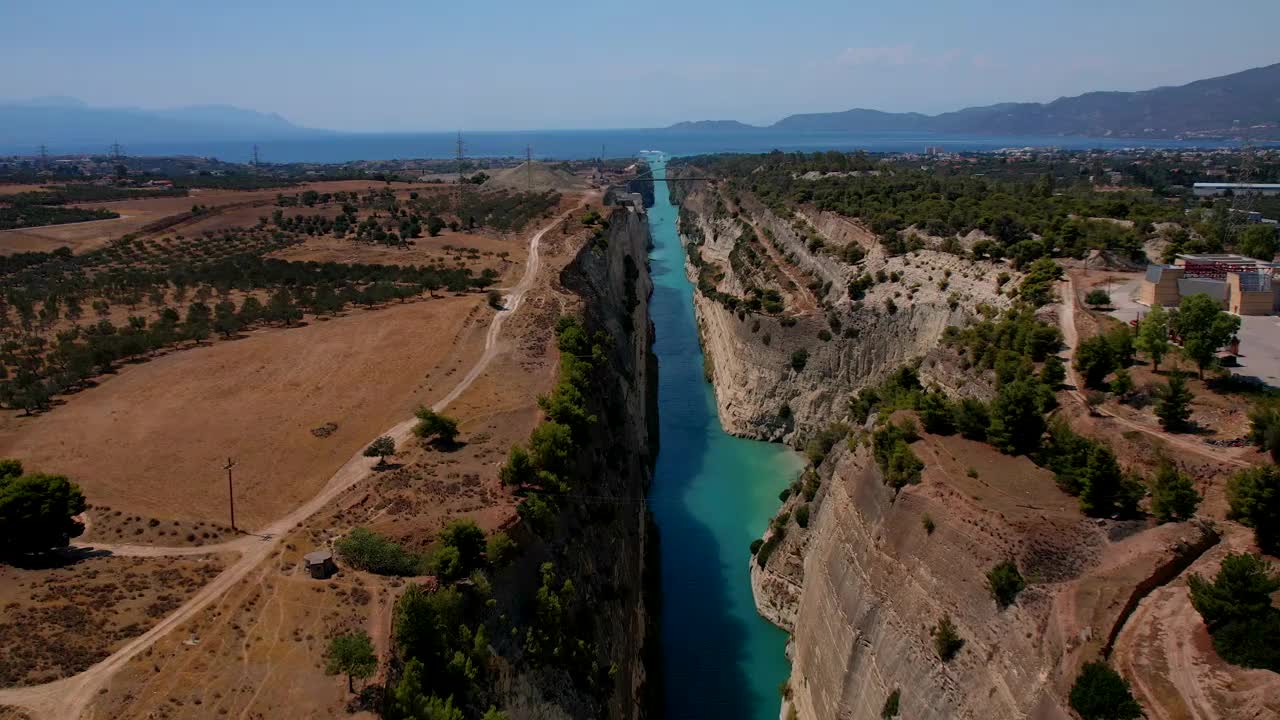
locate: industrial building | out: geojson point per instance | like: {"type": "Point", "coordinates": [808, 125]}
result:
{"type": "Point", "coordinates": [1205, 189]}
{"type": "Point", "coordinates": [1243, 285]}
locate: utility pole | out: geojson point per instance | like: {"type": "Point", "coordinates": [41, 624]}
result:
{"type": "Point", "coordinates": [231, 494]}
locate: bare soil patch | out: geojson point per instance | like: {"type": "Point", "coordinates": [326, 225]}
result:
{"type": "Point", "coordinates": [58, 622]}
{"type": "Point", "coordinates": [455, 249]}
{"type": "Point", "coordinates": [106, 525]}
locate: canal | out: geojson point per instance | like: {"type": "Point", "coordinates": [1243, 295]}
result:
{"type": "Point", "coordinates": [712, 494]}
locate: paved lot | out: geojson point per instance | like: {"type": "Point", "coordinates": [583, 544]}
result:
{"type": "Point", "coordinates": [1259, 334]}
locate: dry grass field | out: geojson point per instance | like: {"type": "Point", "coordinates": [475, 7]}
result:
{"type": "Point", "coordinates": [147, 445]}
{"type": "Point", "coordinates": [260, 650]}
{"type": "Point", "coordinates": [152, 439]}
{"type": "Point", "coordinates": [138, 213]}
{"type": "Point", "coordinates": [58, 622]}
{"type": "Point", "coordinates": [472, 250]}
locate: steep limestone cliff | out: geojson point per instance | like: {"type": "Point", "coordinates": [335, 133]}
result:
{"type": "Point", "coordinates": [605, 555]}
{"type": "Point", "coordinates": [863, 586]}
{"type": "Point", "coordinates": [849, 342]}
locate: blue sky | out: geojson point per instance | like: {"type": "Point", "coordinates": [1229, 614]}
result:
{"type": "Point", "coordinates": [398, 65]}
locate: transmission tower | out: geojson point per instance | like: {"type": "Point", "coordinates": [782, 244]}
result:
{"type": "Point", "coordinates": [1242, 200]}
{"type": "Point", "coordinates": [255, 155]}
{"type": "Point", "coordinates": [44, 156]}
{"type": "Point", "coordinates": [528, 167]}
{"type": "Point", "coordinates": [115, 151]}
{"type": "Point", "coordinates": [462, 150]}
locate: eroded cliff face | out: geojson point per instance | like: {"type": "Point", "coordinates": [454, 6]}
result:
{"type": "Point", "coordinates": [850, 343]}
{"type": "Point", "coordinates": [605, 554]}
{"type": "Point", "coordinates": [863, 586]}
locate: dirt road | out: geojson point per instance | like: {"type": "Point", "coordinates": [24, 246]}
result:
{"type": "Point", "coordinates": [1067, 324]}
{"type": "Point", "coordinates": [68, 698]}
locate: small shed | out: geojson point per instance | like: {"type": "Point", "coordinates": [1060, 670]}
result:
{"type": "Point", "coordinates": [319, 564]}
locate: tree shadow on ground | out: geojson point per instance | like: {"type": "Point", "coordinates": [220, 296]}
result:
{"type": "Point", "coordinates": [57, 558]}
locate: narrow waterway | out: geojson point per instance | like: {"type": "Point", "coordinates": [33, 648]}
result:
{"type": "Point", "coordinates": [712, 494]}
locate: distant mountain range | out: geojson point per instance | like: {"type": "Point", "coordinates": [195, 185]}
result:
{"type": "Point", "coordinates": [70, 124]}
{"type": "Point", "coordinates": [1216, 107]}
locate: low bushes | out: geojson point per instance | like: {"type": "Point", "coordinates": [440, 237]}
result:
{"type": "Point", "coordinates": [1100, 693]}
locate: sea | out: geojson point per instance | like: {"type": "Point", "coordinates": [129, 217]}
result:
{"type": "Point", "coordinates": [585, 144]}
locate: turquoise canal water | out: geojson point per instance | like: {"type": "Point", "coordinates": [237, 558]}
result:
{"type": "Point", "coordinates": [712, 494]}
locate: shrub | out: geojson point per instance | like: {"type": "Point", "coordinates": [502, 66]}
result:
{"type": "Point", "coordinates": [1097, 298]}
{"type": "Point", "coordinates": [366, 550]}
{"type": "Point", "coordinates": [1105, 491]}
{"type": "Point", "coordinates": [936, 414]}
{"type": "Point", "coordinates": [468, 539]}
{"type": "Point", "coordinates": [755, 545]}
{"type": "Point", "coordinates": [890, 709]}
{"type": "Point", "coordinates": [1254, 497]}
{"type": "Point", "coordinates": [1053, 373]}
{"type": "Point", "coordinates": [1121, 341]}
{"type": "Point", "coordinates": [495, 299]}
{"type": "Point", "coordinates": [500, 549]}
{"type": "Point", "coordinates": [970, 418]}
{"type": "Point", "coordinates": [519, 469]}
{"type": "Point", "coordinates": [1122, 383]}
{"type": "Point", "coordinates": [821, 443]}
{"type": "Point", "coordinates": [1037, 286]}
{"type": "Point", "coordinates": [381, 448]}
{"type": "Point", "coordinates": [1017, 418]}
{"type": "Point", "coordinates": [799, 359]}
{"type": "Point", "coordinates": [1173, 496]}
{"type": "Point", "coordinates": [1005, 582]}
{"type": "Point", "coordinates": [802, 516]}
{"type": "Point", "coordinates": [766, 550]}
{"type": "Point", "coordinates": [1095, 360]}
{"type": "Point", "coordinates": [946, 640]}
{"type": "Point", "coordinates": [1264, 429]}
{"type": "Point", "coordinates": [891, 447]}
{"type": "Point", "coordinates": [1100, 693]}
{"type": "Point", "coordinates": [927, 522]}
{"type": "Point", "coordinates": [1173, 404]}
{"type": "Point", "coordinates": [434, 427]}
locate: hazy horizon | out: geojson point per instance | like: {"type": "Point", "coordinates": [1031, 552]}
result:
{"type": "Point", "coordinates": [410, 68]}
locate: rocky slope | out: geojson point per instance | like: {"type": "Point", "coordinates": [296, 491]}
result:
{"type": "Point", "coordinates": [862, 587]}
{"type": "Point", "coordinates": [849, 343]}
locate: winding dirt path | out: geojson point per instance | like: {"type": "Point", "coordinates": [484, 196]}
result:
{"type": "Point", "coordinates": [69, 697]}
{"type": "Point", "coordinates": [1067, 324]}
